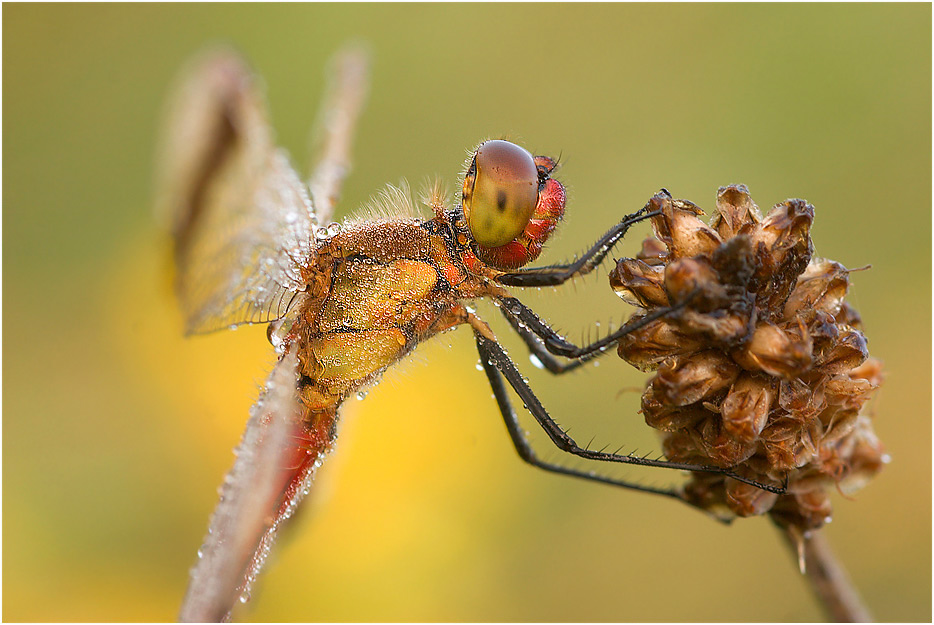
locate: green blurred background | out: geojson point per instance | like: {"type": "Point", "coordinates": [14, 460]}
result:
{"type": "Point", "coordinates": [117, 431]}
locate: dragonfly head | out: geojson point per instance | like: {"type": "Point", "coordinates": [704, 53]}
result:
{"type": "Point", "coordinates": [511, 203]}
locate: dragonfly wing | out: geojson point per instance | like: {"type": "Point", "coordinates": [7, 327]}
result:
{"type": "Point", "coordinates": [275, 464]}
{"type": "Point", "coordinates": [343, 102]}
{"type": "Point", "coordinates": [242, 220]}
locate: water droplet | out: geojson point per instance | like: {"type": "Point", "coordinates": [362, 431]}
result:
{"type": "Point", "coordinates": [536, 362]}
{"type": "Point", "coordinates": [470, 308]}
{"type": "Point", "coordinates": [479, 366]}
{"type": "Point", "coordinates": [334, 228]}
{"type": "Point", "coordinates": [361, 395]}
{"type": "Point", "coordinates": [291, 218]}
{"type": "Point", "coordinates": [244, 597]}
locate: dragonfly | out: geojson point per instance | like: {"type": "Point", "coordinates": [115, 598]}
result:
{"type": "Point", "coordinates": [345, 301]}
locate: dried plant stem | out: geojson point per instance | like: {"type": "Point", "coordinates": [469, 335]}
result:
{"type": "Point", "coordinates": [828, 578]}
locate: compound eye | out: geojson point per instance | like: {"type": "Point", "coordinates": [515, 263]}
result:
{"type": "Point", "coordinates": [500, 193]}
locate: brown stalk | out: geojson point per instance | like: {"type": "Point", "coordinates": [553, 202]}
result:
{"type": "Point", "coordinates": [828, 578]}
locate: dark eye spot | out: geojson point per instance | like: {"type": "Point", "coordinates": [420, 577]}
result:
{"type": "Point", "coordinates": [501, 199]}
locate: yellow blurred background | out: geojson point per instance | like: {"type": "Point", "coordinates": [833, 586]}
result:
{"type": "Point", "coordinates": [117, 431]}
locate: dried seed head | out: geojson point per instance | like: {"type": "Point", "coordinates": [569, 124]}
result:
{"type": "Point", "coordinates": [653, 252]}
{"type": "Point", "coordinates": [737, 211]}
{"type": "Point", "coordinates": [848, 316]}
{"type": "Point", "coordinates": [864, 456]}
{"type": "Point", "coordinates": [689, 380]}
{"type": "Point", "coordinates": [822, 286]}
{"type": "Point", "coordinates": [790, 444]}
{"type": "Point", "coordinates": [654, 342]}
{"type": "Point", "coordinates": [776, 351]}
{"type": "Point", "coordinates": [695, 276]}
{"type": "Point", "coordinates": [849, 352]}
{"type": "Point", "coordinates": [745, 409]}
{"type": "Point", "coordinates": [667, 418]}
{"type": "Point", "coordinates": [723, 328]}
{"type": "Point", "coordinates": [783, 250]}
{"type": "Point", "coordinates": [764, 369]}
{"type": "Point", "coordinates": [681, 229]}
{"type": "Point", "coordinates": [806, 508]}
{"type": "Point", "coordinates": [718, 446]}
{"type": "Point", "coordinates": [639, 283]}
{"type": "Point", "coordinates": [745, 500]}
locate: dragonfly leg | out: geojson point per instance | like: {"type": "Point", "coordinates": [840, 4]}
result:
{"type": "Point", "coordinates": [554, 275]}
{"type": "Point", "coordinates": [496, 362]}
{"type": "Point", "coordinates": [527, 453]}
{"type": "Point", "coordinates": [543, 342]}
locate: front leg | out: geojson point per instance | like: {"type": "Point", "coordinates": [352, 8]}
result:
{"type": "Point", "coordinates": [553, 275]}
{"type": "Point", "coordinates": [492, 356]}
{"type": "Point", "coordinates": [542, 341]}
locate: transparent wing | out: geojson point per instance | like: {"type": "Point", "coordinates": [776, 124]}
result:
{"type": "Point", "coordinates": [348, 84]}
{"type": "Point", "coordinates": [242, 220]}
{"type": "Point", "coordinates": [260, 492]}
